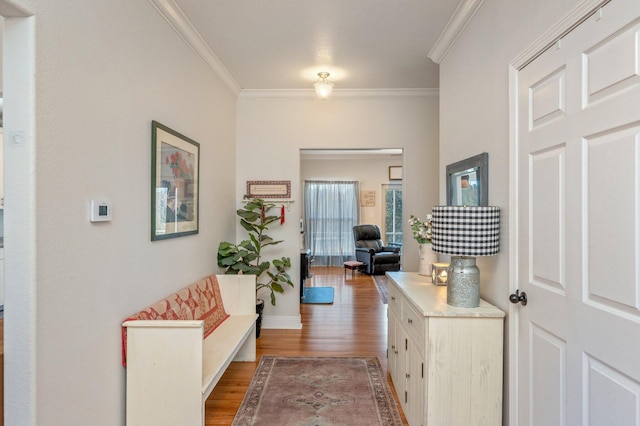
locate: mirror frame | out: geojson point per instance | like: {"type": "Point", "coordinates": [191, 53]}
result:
{"type": "Point", "coordinates": [479, 162]}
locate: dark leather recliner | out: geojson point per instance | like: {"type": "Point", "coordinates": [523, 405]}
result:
{"type": "Point", "coordinates": [376, 257]}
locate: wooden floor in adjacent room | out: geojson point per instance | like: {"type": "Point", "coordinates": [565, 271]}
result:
{"type": "Point", "coordinates": [354, 325]}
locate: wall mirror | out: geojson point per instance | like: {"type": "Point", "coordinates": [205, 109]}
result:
{"type": "Point", "coordinates": [467, 181]}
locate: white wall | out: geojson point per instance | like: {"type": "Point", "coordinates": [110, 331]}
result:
{"type": "Point", "coordinates": [371, 174]}
{"type": "Point", "coordinates": [271, 132]}
{"type": "Point", "coordinates": [474, 110]}
{"type": "Point", "coordinates": [103, 71]}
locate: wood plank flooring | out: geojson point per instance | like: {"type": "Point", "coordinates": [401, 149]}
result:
{"type": "Point", "coordinates": [354, 325]}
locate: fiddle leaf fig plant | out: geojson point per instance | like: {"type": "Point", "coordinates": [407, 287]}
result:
{"type": "Point", "coordinates": [247, 256]}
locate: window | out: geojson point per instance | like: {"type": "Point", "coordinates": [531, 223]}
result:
{"type": "Point", "coordinates": [392, 213]}
{"type": "Point", "coordinates": [331, 211]}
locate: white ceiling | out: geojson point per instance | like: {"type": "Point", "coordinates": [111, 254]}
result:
{"type": "Point", "coordinates": [283, 44]}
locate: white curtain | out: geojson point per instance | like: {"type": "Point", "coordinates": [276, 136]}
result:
{"type": "Point", "coordinates": [331, 211]}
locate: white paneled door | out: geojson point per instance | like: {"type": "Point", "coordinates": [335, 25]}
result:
{"type": "Point", "coordinates": [578, 168]}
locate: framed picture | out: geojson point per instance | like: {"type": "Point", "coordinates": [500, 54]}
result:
{"type": "Point", "coordinates": [175, 186]}
{"type": "Point", "coordinates": [269, 188]}
{"type": "Point", "coordinates": [395, 172]}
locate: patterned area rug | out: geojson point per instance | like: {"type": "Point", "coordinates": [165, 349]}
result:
{"type": "Point", "coordinates": [381, 285]}
{"type": "Point", "coordinates": [326, 391]}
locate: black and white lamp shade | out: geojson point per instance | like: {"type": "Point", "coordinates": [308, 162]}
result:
{"type": "Point", "coordinates": [466, 230]}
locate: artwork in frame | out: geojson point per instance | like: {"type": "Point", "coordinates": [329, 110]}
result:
{"type": "Point", "coordinates": [175, 186]}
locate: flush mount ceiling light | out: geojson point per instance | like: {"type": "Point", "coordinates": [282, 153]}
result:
{"type": "Point", "coordinates": [323, 87]}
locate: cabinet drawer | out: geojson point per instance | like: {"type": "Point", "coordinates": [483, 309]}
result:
{"type": "Point", "coordinates": [394, 298]}
{"type": "Point", "coordinates": [413, 323]}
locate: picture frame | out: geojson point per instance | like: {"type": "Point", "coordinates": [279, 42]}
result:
{"type": "Point", "coordinates": [475, 191]}
{"type": "Point", "coordinates": [395, 172]}
{"type": "Point", "coordinates": [175, 184]}
{"type": "Point", "coordinates": [268, 189]}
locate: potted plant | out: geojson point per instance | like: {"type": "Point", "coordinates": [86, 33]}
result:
{"type": "Point", "coordinates": [247, 256]}
{"type": "Point", "coordinates": [421, 232]}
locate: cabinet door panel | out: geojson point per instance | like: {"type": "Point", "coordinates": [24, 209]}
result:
{"type": "Point", "coordinates": [392, 346]}
{"type": "Point", "coordinates": [415, 386]}
{"type": "Point", "coordinates": [394, 297]}
{"type": "Point", "coordinates": [414, 322]}
{"type": "Point", "coordinates": [401, 387]}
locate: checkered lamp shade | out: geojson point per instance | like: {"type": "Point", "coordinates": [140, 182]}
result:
{"type": "Point", "coordinates": [466, 230]}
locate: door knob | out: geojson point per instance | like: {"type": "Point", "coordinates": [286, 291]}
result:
{"type": "Point", "coordinates": [518, 297]}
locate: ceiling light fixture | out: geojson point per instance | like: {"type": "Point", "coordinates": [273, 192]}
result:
{"type": "Point", "coordinates": [323, 87]}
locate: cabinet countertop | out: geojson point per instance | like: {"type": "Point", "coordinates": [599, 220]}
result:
{"type": "Point", "coordinates": [431, 300]}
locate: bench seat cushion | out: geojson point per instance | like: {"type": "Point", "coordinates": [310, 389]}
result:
{"type": "Point", "coordinates": [199, 301]}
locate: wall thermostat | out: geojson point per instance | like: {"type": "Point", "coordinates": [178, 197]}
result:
{"type": "Point", "coordinates": [100, 211]}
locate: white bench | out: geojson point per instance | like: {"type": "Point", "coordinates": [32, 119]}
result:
{"type": "Point", "coordinates": [172, 369]}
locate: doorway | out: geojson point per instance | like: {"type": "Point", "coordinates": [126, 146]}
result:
{"type": "Point", "coordinates": [370, 168]}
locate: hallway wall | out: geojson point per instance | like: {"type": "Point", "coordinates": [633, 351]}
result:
{"type": "Point", "coordinates": [102, 71]}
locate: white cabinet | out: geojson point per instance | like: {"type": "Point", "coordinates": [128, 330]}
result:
{"type": "Point", "coordinates": [445, 362]}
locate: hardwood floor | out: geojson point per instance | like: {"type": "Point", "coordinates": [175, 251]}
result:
{"type": "Point", "coordinates": [354, 325]}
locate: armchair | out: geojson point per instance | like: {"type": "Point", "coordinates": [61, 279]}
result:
{"type": "Point", "coordinates": [376, 257]}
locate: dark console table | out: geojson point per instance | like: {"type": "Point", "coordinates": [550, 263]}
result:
{"type": "Point", "coordinates": [305, 268]}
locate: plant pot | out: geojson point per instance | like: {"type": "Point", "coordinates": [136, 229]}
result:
{"type": "Point", "coordinates": [259, 309]}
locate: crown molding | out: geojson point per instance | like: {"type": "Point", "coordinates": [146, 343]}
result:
{"type": "Point", "coordinates": [577, 16]}
{"type": "Point", "coordinates": [9, 10]}
{"type": "Point", "coordinates": [463, 14]}
{"type": "Point", "coordinates": [181, 24]}
{"type": "Point", "coordinates": [310, 94]}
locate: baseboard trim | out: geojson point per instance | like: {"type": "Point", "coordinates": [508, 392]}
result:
{"type": "Point", "coordinates": [281, 322]}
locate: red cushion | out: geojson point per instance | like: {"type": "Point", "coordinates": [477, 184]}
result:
{"type": "Point", "coordinates": [200, 301]}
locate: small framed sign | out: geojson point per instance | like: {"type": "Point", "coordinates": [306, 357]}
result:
{"type": "Point", "coordinates": [395, 172]}
{"type": "Point", "coordinates": [367, 198]}
{"type": "Point", "coordinates": [269, 189]}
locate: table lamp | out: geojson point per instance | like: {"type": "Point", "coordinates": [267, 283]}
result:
{"type": "Point", "coordinates": [465, 232]}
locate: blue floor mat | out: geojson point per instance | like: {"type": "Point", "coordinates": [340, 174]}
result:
{"type": "Point", "coordinates": [321, 295]}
